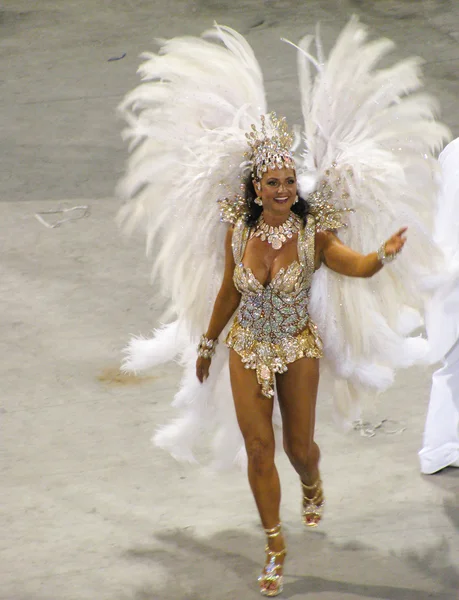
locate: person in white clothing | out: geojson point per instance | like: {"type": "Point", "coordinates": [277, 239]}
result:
{"type": "Point", "coordinates": [441, 434]}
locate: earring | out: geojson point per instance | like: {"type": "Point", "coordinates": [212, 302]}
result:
{"type": "Point", "coordinates": [258, 201]}
{"type": "Point", "coordinates": [296, 199]}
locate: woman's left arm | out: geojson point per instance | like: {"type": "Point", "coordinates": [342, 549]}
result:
{"type": "Point", "coordinates": [340, 258]}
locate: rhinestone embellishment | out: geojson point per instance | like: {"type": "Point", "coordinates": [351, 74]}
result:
{"type": "Point", "coordinates": [272, 327]}
{"type": "Point", "coordinates": [277, 236]}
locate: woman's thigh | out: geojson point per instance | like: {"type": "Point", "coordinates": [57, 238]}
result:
{"type": "Point", "coordinates": [253, 410]}
{"type": "Point", "coordinates": [297, 393]}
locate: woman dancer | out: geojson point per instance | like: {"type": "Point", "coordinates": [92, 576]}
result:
{"type": "Point", "coordinates": [368, 159]}
{"type": "Point", "coordinates": [270, 259]}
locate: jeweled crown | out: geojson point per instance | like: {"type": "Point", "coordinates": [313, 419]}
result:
{"type": "Point", "coordinates": [270, 147]}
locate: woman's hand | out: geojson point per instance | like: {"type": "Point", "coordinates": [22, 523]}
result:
{"type": "Point", "coordinates": [395, 243]}
{"type": "Point", "coordinates": [202, 368]}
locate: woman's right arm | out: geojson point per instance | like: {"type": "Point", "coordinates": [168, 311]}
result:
{"type": "Point", "coordinates": [226, 303]}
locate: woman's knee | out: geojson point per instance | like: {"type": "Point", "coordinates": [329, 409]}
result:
{"type": "Point", "coordinates": [260, 453]}
{"type": "Point", "coordinates": [302, 453]}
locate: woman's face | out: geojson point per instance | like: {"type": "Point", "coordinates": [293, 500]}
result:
{"type": "Point", "coordinates": [277, 189]}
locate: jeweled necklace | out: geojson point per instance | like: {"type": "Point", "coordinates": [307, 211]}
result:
{"type": "Point", "coordinates": [277, 236]}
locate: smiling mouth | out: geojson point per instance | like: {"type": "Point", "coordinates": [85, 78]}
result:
{"type": "Point", "coordinates": [282, 199]}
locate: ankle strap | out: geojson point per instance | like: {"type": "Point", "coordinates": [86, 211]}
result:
{"type": "Point", "coordinates": [274, 532]}
{"type": "Point", "coordinates": [273, 554]}
{"type": "Point", "coordinates": [316, 483]}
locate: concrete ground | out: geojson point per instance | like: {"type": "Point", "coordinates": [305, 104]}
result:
{"type": "Point", "coordinates": [89, 510]}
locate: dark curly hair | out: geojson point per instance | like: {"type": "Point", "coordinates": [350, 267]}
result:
{"type": "Point", "coordinates": [300, 208]}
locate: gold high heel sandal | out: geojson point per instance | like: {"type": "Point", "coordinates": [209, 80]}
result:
{"type": "Point", "coordinates": [313, 507]}
{"type": "Point", "coordinates": [271, 583]}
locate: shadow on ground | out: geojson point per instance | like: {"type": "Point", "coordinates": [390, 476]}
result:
{"type": "Point", "coordinates": [226, 566]}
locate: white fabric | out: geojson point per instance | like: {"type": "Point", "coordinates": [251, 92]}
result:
{"type": "Point", "coordinates": [441, 433]}
{"type": "Point", "coordinates": [442, 312]}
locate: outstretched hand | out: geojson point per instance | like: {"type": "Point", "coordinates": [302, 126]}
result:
{"type": "Point", "coordinates": [202, 368]}
{"type": "Point", "coordinates": [395, 243]}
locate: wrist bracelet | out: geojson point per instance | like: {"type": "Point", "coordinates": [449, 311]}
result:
{"type": "Point", "coordinates": [383, 257]}
{"type": "Point", "coordinates": [206, 348]}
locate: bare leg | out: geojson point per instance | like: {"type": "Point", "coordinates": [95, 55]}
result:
{"type": "Point", "coordinates": [254, 414]}
{"type": "Point", "coordinates": [297, 390]}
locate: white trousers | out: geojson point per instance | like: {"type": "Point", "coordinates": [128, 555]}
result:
{"type": "Point", "coordinates": [441, 433]}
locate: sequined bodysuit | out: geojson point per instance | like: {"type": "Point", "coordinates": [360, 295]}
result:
{"type": "Point", "coordinates": [272, 327]}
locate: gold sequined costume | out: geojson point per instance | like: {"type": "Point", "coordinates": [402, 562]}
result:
{"type": "Point", "coordinates": [272, 327]}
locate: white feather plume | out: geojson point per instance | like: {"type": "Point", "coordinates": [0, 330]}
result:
{"type": "Point", "coordinates": [372, 137]}
{"type": "Point", "coordinates": [186, 128]}
{"type": "Point", "coordinates": [165, 345]}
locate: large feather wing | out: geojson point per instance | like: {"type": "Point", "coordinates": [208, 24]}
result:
{"type": "Point", "coordinates": [370, 142]}
{"type": "Point", "coordinates": [186, 127]}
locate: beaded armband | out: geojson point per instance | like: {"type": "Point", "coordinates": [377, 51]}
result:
{"type": "Point", "coordinates": [383, 257]}
{"type": "Point", "coordinates": [206, 347]}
